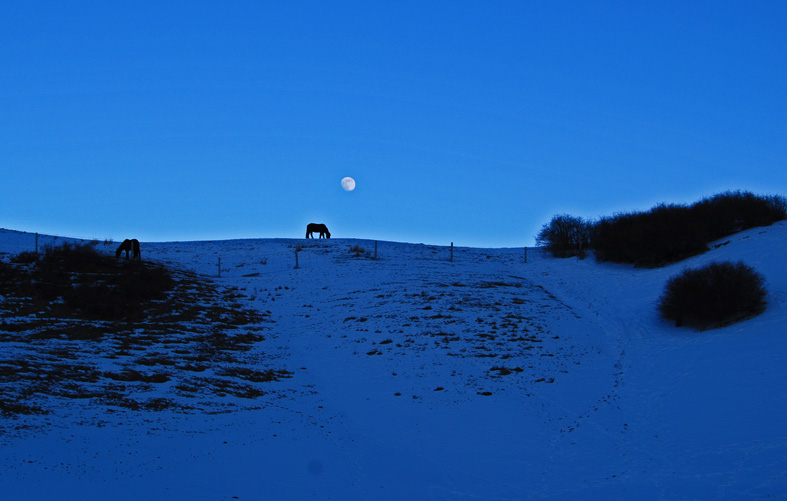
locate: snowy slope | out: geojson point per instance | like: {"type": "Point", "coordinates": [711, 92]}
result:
{"type": "Point", "coordinates": [420, 378]}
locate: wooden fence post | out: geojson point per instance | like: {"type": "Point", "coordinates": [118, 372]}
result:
{"type": "Point", "coordinates": [375, 249]}
{"type": "Point", "coordinates": [296, 259]}
{"type": "Point", "coordinates": [36, 243]}
{"type": "Point", "coordinates": [452, 252]}
{"type": "Point", "coordinates": [525, 254]}
{"type": "Point", "coordinates": [219, 267]}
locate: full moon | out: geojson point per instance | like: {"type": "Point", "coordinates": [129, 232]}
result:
{"type": "Point", "coordinates": [348, 184]}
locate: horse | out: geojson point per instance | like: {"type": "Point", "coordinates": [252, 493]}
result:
{"type": "Point", "coordinates": [129, 245]}
{"type": "Point", "coordinates": [321, 228]}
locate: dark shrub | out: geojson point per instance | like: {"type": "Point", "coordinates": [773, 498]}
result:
{"type": "Point", "coordinates": [734, 211]}
{"type": "Point", "coordinates": [565, 236]}
{"type": "Point", "coordinates": [25, 258]}
{"type": "Point", "coordinates": [74, 257]}
{"type": "Point", "coordinates": [670, 233]}
{"type": "Point", "coordinates": [713, 296]}
{"type": "Point", "coordinates": [99, 285]}
{"type": "Point", "coordinates": [59, 264]}
{"type": "Point", "coordinates": [122, 295]}
{"type": "Point", "coordinates": [7, 275]}
{"type": "Point", "coordinates": [664, 235]}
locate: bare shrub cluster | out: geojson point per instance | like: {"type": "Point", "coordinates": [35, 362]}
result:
{"type": "Point", "coordinates": [99, 286]}
{"type": "Point", "coordinates": [565, 236]}
{"type": "Point", "coordinates": [663, 235]}
{"type": "Point", "coordinates": [666, 233]}
{"type": "Point", "coordinates": [713, 296]}
{"type": "Point", "coordinates": [670, 233]}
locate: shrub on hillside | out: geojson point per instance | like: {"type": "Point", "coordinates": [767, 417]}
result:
{"type": "Point", "coordinates": [565, 236]}
{"type": "Point", "coordinates": [122, 295]}
{"type": "Point", "coordinates": [712, 296]}
{"type": "Point", "coordinates": [664, 235]}
{"type": "Point", "coordinates": [26, 257]}
{"type": "Point", "coordinates": [670, 233]}
{"type": "Point", "coordinates": [6, 276]}
{"type": "Point", "coordinates": [99, 285]}
{"type": "Point", "coordinates": [77, 257]}
{"type": "Point", "coordinates": [734, 211]}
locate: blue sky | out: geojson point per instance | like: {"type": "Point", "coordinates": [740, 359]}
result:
{"type": "Point", "coordinates": [471, 122]}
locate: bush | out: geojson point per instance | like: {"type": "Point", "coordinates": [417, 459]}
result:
{"type": "Point", "coordinates": [734, 211]}
{"type": "Point", "coordinates": [122, 295]}
{"type": "Point", "coordinates": [670, 233]}
{"type": "Point", "coordinates": [76, 257]}
{"type": "Point", "coordinates": [565, 236]}
{"type": "Point", "coordinates": [713, 296]}
{"type": "Point", "coordinates": [26, 257]}
{"type": "Point", "coordinates": [664, 235]}
{"type": "Point", "coordinates": [7, 275]}
{"type": "Point", "coordinates": [99, 285]}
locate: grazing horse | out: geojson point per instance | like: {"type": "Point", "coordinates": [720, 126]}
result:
{"type": "Point", "coordinates": [321, 228]}
{"type": "Point", "coordinates": [129, 245]}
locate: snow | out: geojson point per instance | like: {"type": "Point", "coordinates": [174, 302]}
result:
{"type": "Point", "coordinates": [401, 386]}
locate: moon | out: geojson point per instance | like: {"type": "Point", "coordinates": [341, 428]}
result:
{"type": "Point", "coordinates": [348, 184]}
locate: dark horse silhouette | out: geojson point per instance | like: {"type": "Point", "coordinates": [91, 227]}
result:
{"type": "Point", "coordinates": [129, 245]}
{"type": "Point", "coordinates": [321, 228]}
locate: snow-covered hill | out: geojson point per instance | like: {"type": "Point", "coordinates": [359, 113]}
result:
{"type": "Point", "coordinates": [417, 377]}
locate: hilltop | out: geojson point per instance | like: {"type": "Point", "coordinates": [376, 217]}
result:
{"type": "Point", "coordinates": [408, 376]}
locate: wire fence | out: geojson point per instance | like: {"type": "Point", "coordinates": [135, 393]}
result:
{"type": "Point", "coordinates": [227, 262]}
{"type": "Point", "coordinates": [259, 257]}
{"type": "Point", "coordinates": [16, 242]}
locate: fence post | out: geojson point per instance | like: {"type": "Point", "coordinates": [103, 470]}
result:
{"type": "Point", "coordinates": [375, 249]}
{"type": "Point", "coordinates": [296, 258]}
{"type": "Point", "coordinates": [219, 267]}
{"type": "Point", "coordinates": [525, 254]}
{"type": "Point", "coordinates": [36, 243]}
{"type": "Point", "coordinates": [452, 252]}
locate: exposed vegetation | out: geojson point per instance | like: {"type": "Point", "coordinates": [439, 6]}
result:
{"type": "Point", "coordinates": [565, 236]}
{"type": "Point", "coordinates": [665, 234]}
{"type": "Point", "coordinates": [99, 286]}
{"type": "Point", "coordinates": [358, 250]}
{"type": "Point", "coordinates": [25, 258]}
{"type": "Point", "coordinates": [79, 324]}
{"type": "Point", "coordinates": [713, 296]}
